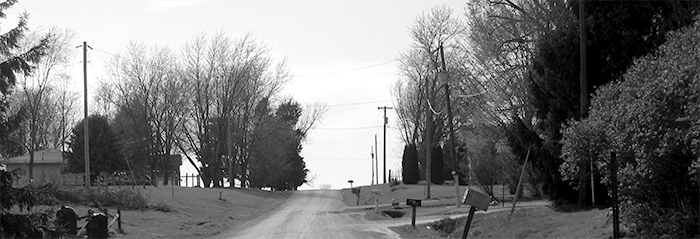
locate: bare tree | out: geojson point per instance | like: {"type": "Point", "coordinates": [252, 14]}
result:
{"type": "Point", "coordinates": [42, 109]}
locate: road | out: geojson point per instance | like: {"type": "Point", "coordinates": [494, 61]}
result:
{"type": "Point", "coordinates": [312, 214]}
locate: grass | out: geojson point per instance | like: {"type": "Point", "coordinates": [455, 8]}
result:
{"type": "Point", "coordinates": [537, 222]}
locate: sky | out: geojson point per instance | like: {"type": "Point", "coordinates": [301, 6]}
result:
{"type": "Point", "coordinates": [342, 53]}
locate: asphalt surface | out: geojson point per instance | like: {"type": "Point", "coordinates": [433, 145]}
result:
{"type": "Point", "coordinates": [312, 214]}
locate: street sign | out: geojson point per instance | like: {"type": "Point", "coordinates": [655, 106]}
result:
{"type": "Point", "coordinates": [376, 191]}
{"type": "Point", "coordinates": [476, 199]}
{"type": "Point", "coordinates": [356, 191]}
{"type": "Point", "coordinates": [413, 202]}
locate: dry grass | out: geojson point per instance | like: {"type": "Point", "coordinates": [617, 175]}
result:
{"type": "Point", "coordinates": [193, 212]}
{"type": "Point", "coordinates": [538, 222]}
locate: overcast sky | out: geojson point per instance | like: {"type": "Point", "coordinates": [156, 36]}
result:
{"type": "Point", "coordinates": [341, 52]}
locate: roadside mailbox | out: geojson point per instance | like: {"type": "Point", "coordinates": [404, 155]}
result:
{"type": "Point", "coordinates": [356, 191]}
{"type": "Point", "coordinates": [413, 203]}
{"type": "Point", "coordinates": [67, 220]}
{"type": "Point", "coordinates": [376, 193]}
{"type": "Point", "coordinates": [476, 200]}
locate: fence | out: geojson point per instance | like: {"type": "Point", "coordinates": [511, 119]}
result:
{"type": "Point", "coordinates": [192, 180]}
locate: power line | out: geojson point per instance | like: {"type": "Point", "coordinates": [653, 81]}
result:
{"type": "Point", "coordinates": [314, 156]}
{"type": "Point", "coordinates": [355, 128]}
{"type": "Point", "coordinates": [358, 103]}
{"type": "Point", "coordinates": [350, 70]}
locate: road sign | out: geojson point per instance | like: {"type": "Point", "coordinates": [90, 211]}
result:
{"type": "Point", "coordinates": [413, 202]}
{"type": "Point", "coordinates": [376, 191]}
{"type": "Point", "coordinates": [476, 199]}
{"type": "Point", "coordinates": [356, 191]}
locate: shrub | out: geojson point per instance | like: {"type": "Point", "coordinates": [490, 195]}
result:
{"type": "Point", "coordinates": [163, 207]}
{"type": "Point", "coordinates": [123, 197]}
{"type": "Point", "coordinates": [446, 225]}
{"type": "Point", "coordinates": [31, 225]}
{"type": "Point", "coordinates": [652, 120]}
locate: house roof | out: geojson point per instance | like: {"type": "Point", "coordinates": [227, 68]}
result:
{"type": "Point", "coordinates": [47, 156]}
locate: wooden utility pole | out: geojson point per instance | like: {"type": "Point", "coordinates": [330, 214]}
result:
{"type": "Point", "coordinates": [451, 126]}
{"type": "Point", "coordinates": [427, 135]}
{"type": "Point", "coordinates": [372, 163]}
{"type": "Point", "coordinates": [583, 82]}
{"type": "Point", "coordinates": [376, 160]}
{"type": "Point", "coordinates": [386, 120]}
{"type": "Point", "coordinates": [85, 119]}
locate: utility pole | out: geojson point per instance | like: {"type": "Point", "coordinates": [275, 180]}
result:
{"type": "Point", "coordinates": [427, 135]}
{"type": "Point", "coordinates": [372, 163]}
{"type": "Point", "coordinates": [386, 120]}
{"type": "Point", "coordinates": [85, 119]}
{"type": "Point", "coordinates": [376, 160]}
{"type": "Point", "coordinates": [583, 81]}
{"type": "Point", "coordinates": [443, 77]}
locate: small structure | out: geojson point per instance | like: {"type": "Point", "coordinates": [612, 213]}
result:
{"type": "Point", "coordinates": [48, 165]}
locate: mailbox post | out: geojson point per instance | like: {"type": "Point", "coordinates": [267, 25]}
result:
{"type": "Point", "coordinates": [476, 200]}
{"type": "Point", "coordinates": [376, 193]}
{"type": "Point", "coordinates": [356, 191]}
{"type": "Point", "coordinates": [413, 203]}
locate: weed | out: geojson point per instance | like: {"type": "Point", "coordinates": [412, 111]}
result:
{"type": "Point", "coordinates": [163, 207]}
{"type": "Point", "coordinates": [102, 196]}
{"type": "Point", "coordinates": [446, 225]}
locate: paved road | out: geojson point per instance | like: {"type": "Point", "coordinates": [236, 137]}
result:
{"type": "Point", "coordinates": [313, 214]}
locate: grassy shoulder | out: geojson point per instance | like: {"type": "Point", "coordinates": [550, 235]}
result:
{"type": "Point", "coordinates": [532, 222]}
{"type": "Point", "coordinates": [179, 212]}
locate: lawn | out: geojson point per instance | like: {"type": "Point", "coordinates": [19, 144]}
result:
{"type": "Point", "coordinates": [194, 212]}
{"type": "Point", "coordinates": [533, 222]}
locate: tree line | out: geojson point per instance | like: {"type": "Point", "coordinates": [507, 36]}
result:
{"type": "Point", "coordinates": [216, 101]}
{"type": "Point", "coordinates": [514, 70]}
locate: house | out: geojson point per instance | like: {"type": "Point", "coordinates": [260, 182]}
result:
{"type": "Point", "coordinates": [48, 165]}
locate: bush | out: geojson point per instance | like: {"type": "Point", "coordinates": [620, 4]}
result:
{"type": "Point", "coordinates": [652, 120]}
{"type": "Point", "coordinates": [446, 225]}
{"type": "Point", "coordinates": [122, 197]}
{"type": "Point", "coordinates": [31, 225]}
{"type": "Point", "coordinates": [163, 207]}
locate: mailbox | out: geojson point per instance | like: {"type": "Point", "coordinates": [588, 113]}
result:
{"type": "Point", "coordinates": [476, 199]}
{"type": "Point", "coordinates": [413, 202]}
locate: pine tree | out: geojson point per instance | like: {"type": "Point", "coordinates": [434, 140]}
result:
{"type": "Point", "coordinates": [13, 225]}
{"type": "Point", "coordinates": [409, 164]}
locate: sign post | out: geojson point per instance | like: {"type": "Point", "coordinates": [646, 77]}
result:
{"type": "Point", "coordinates": [476, 200]}
{"type": "Point", "coordinates": [413, 203]}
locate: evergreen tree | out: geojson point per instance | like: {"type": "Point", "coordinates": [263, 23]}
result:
{"type": "Point", "coordinates": [104, 153]}
{"type": "Point", "coordinates": [409, 164]}
{"type": "Point", "coordinates": [12, 63]}
{"type": "Point", "coordinates": [436, 166]}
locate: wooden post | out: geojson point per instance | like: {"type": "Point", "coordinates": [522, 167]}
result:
{"type": "Point", "coordinates": [413, 216]}
{"type": "Point", "coordinates": [469, 222]}
{"type": "Point", "coordinates": [616, 207]}
{"type": "Point", "coordinates": [520, 182]}
{"type": "Point", "coordinates": [119, 219]}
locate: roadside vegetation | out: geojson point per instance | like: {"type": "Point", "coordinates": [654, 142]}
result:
{"type": "Point", "coordinates": [523, 102]}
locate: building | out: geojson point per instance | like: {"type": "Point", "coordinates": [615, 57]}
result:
{"type": "Point", "coordinates": [48, 165]}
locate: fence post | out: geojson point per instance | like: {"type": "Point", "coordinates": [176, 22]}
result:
{"type": "Point", "coordinates": [119, 220]}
